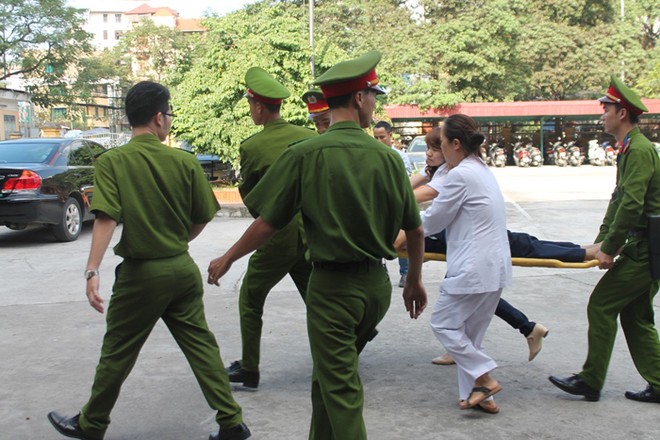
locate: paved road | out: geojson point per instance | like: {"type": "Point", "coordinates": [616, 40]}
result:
{"type": "Point", "coordinates": [50, 338]}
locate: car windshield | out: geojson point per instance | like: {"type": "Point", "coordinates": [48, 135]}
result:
{"type": "Point", "coordinates": [417, 146]}
{"type": "Point", "coordinates": [26, 152]}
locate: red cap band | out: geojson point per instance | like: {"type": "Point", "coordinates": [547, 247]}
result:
{"type": "Point", "coordinates": [319, 106]}
{"type": "Point", "coordinates": [352, 85]}
{"type": "Point", "coordinates": [256, 97]}
{"type": "Point", "coordinates": [614, 95]}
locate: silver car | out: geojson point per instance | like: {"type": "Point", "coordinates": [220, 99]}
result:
{"type": "Point", "coordinates": [417, 153]}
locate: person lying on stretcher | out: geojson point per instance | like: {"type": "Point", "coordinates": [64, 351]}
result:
{"type": "Point", "coordinates": [426, 187]}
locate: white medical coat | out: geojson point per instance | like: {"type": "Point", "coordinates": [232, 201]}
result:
{"type": "Point", "coordinates": [471, 208]}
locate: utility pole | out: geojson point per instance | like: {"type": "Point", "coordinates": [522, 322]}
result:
{"type": "Point", "coordinates": [311, 36]}
{"type": "Point", "coordinates": [623, 10]}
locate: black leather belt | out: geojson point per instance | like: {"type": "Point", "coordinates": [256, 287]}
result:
{"type": "Point", "coordinates": [363, 266]}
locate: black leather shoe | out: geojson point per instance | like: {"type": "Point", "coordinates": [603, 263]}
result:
{"type": "Point", "coordinates": [238, 432]}
{"type": "Point", "coordinates": [576, 385]}
{"type": "Point", "coordinates": [236, 373]}
{"type": "Point", "coordinates": [68, 426]}
{"type": "Point", "coordinates": [647, 395]}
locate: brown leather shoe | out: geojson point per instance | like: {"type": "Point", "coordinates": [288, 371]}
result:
{"type": "Point", "coordinates": [535, 340]}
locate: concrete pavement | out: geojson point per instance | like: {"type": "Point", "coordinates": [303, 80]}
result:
{"type": "Point", "coordinates": [50, 339]}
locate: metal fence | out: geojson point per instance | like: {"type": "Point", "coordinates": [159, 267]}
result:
{"type": "Point", "coordinates": [108, 140]}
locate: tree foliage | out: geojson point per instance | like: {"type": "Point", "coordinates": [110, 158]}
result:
{"type": "Point", "coordinates": [42, 41]}
{"type": "Point", "coordinates": [212, 114]}
{"type": "Point", "coordinates": [152, 50]}
{"type": "Point", "coordinates": [435, 54]}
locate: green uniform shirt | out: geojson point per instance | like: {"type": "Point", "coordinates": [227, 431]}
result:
{"type": "Point", "coordinates": [352, 190]}
{"type": "Point", "coordinates": [259, 151]}
{"type": "Point", "coordinates": [157, 192]}
{"type": "Point", "coordinates": [636, 195]}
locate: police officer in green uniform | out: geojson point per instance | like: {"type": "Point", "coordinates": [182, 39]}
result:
{"type": "Point", "coordinates": [285, 252]}
{"type": "Point", "coordinates": [318, 109]}
{"type": "Point", "coordinates": [157, 278]}
{"type": "Point", "coordinates": [354, 196]}
{"type": "Point", "coordinates": [627, 289]}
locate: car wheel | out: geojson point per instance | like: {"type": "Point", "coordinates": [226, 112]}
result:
{"type": "Point", "coordinates": [71, 222]}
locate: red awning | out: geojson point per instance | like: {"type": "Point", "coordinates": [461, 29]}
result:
{"type": "Point", "coordinates": [528, 109]}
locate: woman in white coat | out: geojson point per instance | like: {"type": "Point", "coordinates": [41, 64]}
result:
{"type": "Point", "coordinates": [471, 209]}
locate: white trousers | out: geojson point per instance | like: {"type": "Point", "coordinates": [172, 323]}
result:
{"type": "Point", "coordinates": [460, 323]}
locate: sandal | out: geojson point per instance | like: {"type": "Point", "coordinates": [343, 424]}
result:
{"type": "Point", "coordinates": [484, 392]}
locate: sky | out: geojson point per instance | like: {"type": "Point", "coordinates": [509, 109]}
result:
{"type": "Point", "coordinates": [185, 8]}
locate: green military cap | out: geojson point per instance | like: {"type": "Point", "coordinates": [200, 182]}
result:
{"type": "Point", "coordinates": [315, 101]}
{"type": "Point", "coordinates": [263, 87]}
{"type": "Point", "coordinates": [619, 93]}
{"type": "Point", "coordinates": [350, 76]}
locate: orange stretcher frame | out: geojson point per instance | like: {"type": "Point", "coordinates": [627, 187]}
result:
{"type": "Point", "coordinates": [518, 261]}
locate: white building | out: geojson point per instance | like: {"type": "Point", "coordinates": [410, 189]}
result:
{"type": "Point", "coordinates": [108, 20]}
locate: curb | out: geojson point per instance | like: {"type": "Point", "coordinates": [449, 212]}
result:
{"type": "Point", "coordinates": [233, 210]}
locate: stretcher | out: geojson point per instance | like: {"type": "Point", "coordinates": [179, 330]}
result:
{"type": "Point", "coordinates": [519, 261]}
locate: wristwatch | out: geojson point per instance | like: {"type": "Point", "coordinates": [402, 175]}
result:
{"type": "Point", "coordinates": [91, 273]}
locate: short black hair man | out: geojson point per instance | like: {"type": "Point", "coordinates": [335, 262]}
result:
{"type": "Point", "coordinates": [157, 278]}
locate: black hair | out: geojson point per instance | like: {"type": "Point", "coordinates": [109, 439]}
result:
{"type": "Point", "coordinates": [383, 124]}
{"type": "Point", "coordinates": [339, 101]}
{"type": "Point", "coordinates": [632, 118]}
{"type": "Point", "coordinates": [144, 100]}
{"type": "Point", "coordinates": [464, 128]}
{"type": "Point", "coordinates": [273, 108]}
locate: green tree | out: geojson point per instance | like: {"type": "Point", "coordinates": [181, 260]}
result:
{"type": "Point", "coordinates": [42, 42]}
{"type": "Point", "coordinates": [471, 52]}
{"type": "Point", "coordinates": [153, 51]}
{"type": "Point", "coordinates": [212, 114]}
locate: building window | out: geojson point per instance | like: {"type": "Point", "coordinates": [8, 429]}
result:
{"type": "Point", "coordinates": [58, 113]}
{"type": "Point", "coordinates": [118, 35]}
{"type": "Point", "coordinates": [105, 18]}
{"type": "Point", "coordinates": [117, 18]}
{"type": "Point", "coordinates": [105, 35]}
{"type": "Point", "coordinates": [10, 125]}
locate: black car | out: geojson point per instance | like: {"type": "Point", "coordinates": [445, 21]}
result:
{"type": "Point", "coordinates": [47, 181]}
{"type": "Point", "coordinates": [215, 169]}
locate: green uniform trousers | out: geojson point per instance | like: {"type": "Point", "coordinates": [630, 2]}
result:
{"type": "Point", "coordinates": [343, 310]}
{"type": "Point", "coordinates": [626, 290]}
{"type": "Point", "coordinates": [267, 267]}
{"type": "Point", "coordinates": [144, 292]}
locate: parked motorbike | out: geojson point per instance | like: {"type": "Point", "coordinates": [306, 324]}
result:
{"type": "Point", "coordinates": [496, 155]}
{"type": "Point", "coordinates": [559, 154]}
{"type": "Point", "coordinates": [596, 154]}
{"type": "Point", "coordinates": [575, 157]}
{"type": "Point", "coordinates": [610, 153]}
{"type": "Point", "coordinates": [483, 152]}
{"type": "Point", "coordinates": [521, 155]}
{"type": "Point", "coordinates": [536, 158]}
